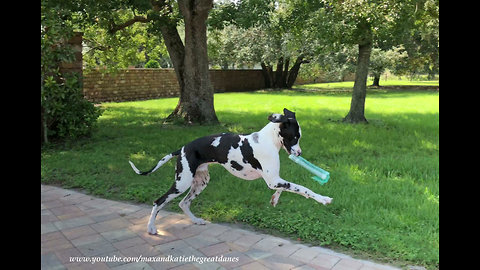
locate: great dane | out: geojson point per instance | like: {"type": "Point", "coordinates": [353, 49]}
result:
{"type": "Point", "coordinates": [248, 157]}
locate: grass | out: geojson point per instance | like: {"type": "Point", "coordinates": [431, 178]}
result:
{"type": "Point", "coordinates": [383, 83]}
{"type": "Point", "coordinates": [384, 175]}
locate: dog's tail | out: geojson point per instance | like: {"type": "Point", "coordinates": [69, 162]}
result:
{"type": "Point", "coordinates": [159, 164]}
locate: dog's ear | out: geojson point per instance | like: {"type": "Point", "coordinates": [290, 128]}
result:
{"type": "Point", "coordinates": [288, 114]}
{"type": "Point", "coordinates": [277, 118]}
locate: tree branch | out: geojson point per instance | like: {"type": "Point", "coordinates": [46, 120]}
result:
{"type": "Point", "coordinates": [116, 27]}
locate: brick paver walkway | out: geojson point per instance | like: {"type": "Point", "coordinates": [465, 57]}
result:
{"type": "Point", "coordinates": [75, 225]}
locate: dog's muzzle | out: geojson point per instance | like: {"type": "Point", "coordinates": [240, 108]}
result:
{"type": "Point", "coordinates": [296, 150]}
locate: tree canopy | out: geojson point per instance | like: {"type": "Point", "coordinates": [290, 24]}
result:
{"type": "Point", "coordinates": [113, 34]}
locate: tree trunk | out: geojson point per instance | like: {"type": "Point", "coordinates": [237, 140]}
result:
{"type": "Point", "coordinates": [282, 77]}
{"type": "Point", "coordinates": [44, 127]}
{"type": "Point", "coordinates": [285, 72]}
{"type": "Point", "coordinates": [293, 73]}
{"type": "Point", "coordinates": [267, 75]}
{"type": "Point", "coordinates": [278, 83]}
{"type": "Point", "coordinates": [190, 62]}
{"type": "Point", "coordinates": [176, 51]}
{"type": "Point", "coordinates": [357, 105]}
{"type": "Point", "coordinates": [195, 104]}
{"type": "Point", "coordinates": [376, 81]}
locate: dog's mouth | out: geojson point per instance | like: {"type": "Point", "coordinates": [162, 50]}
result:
{"type": "Point", "coordinates": [296, 150]}
{"type": "Point", "coordinates": [292, 152]}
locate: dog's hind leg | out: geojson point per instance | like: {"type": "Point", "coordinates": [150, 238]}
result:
{"type": "Point", "coordinates": [171, 194]}
{"type": "Point", "coordinates": [200, 182]}
{"type": "Point", "coordinates": [183, 181]}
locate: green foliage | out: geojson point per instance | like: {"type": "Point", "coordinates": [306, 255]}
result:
{"type": "Point", "coordinates": [244, 14]}
{"type": "Point", "coordinates": [152, 64]}
{"type": "Point", "coordinates": [131, 46]}
{"type": "Point", "coordinates": [391, 59]}
{"type": "Point", "coordinates": [247, 33]}
{"type": "Point", "coordinates": [68, 113]}
{"type": "Point", "coordinates": [352, 19]}
{"type": "Point", "coordinates": [55, 30]}
{"type": "Point", "coordinates": [338, 62]}
{"type": "Point", "coordinates": [65, 112]}
{"type": "Point", "coordinates": [411, 24]}
{"type": "Point", "coordinates": [235, 46]}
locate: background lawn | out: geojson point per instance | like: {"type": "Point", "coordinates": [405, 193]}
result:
{"type": "Point", "coordinates": [390, 83]}
{"type": "Point", "coordinates": [384, 175]}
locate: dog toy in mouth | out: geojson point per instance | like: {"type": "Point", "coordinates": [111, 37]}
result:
{"type": "Point", "coordinates": [321, 176]}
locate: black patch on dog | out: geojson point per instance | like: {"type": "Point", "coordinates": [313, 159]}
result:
{"type": "Point", "coordinates": [172, 190]}
{"type": "Point", "coordinates": [285, 185]}
{"type": "Point", "coordinates": [289, 128]}
{"type": "Point", "coordinates": [227, 141]}
{"type": "Point", "coordinates": [178, 169]}
{"type": "Point", "coordinates": [236, 166]}
{"type": "Point", "coordinates": [201, 150]}
{"type": "Point", "coordinates": [290, 133]}
{"type": "Point", "coordinates": [248, 157]}
{"type": "Point", "coordinates": [176, 153]}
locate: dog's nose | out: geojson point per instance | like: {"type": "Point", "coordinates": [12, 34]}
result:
{"type": "Point", "coordinates": [299, 152]}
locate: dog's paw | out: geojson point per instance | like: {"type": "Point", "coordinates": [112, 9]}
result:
{"type": "Point", "coordinates": [152, 230]}
{"type": "Point", "coordinates": [199, 221]}
{"type": "Point", "coordinates": [325, 200]}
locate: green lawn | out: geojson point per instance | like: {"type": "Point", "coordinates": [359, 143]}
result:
{"type": "Point", "coordinates": [384, 175]}
{"type": "Point", "coordinates": [349, 84]}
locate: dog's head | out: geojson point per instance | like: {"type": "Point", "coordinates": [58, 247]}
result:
{"type": "Point", "coordinates": [290, 131]}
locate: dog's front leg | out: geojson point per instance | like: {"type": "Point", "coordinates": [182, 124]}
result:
{"type": "Point", "coordinates": [281, 185]}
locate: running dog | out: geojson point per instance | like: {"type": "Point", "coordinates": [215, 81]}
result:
{"type": "Point", "coordinates": [248, 157]}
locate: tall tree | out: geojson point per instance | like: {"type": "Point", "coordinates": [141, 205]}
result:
{"type": "Point", "coordinates": [196, 99]}
{"type": "Point", "coordinates": [162, 17]}
{"type": "Point", "coordinates": [365, 22]}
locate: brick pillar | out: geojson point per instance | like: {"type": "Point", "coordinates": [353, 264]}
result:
{"type": "Point", "coordinates": [76, 66]}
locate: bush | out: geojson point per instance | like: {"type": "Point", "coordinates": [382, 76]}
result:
{"type": "Point", "coordinates": [152, 64]}
{"type": "Point", "coordinates": [68, 114]}
{"type": "Point", "coordinates": [65, 113]}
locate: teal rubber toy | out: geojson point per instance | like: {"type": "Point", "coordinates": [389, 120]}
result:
{"type": "Point", "coordinates": [321, 176]}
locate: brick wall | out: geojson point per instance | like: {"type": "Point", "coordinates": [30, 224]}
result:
{"type": "Point", "coordinates": [238, 80]}
{"type": "Point", "coordinates": [140, 84]}
{"type": "Point", "coordinates": [129, 84]}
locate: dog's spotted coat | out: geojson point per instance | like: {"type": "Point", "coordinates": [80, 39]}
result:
{"type": "Point", "coordinates": [248, 157]}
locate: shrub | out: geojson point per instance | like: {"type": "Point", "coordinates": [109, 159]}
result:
{"type": "Point", "coordinates": [152, 64]}
{"type": "Point", "coordinates": [65, 113]}
{"type": "Point", "coordinates": [68, 113]}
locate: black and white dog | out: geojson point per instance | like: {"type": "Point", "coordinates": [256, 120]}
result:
{"type": "Point", "coordinates": [246, 156]}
